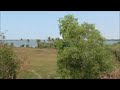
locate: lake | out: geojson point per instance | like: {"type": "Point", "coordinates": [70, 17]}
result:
{"type": "Point", "coordinates": [33, 43]}
{"type": "Point", "coordinates": [112, 41]}
{"type": "Point", "coordinates": [18, 43]}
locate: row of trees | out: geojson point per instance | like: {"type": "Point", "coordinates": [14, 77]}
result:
{"type": "Point", "coordinates": [50, 43]}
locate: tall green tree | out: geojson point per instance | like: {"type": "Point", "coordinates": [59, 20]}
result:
{"type": "Point", "coordinates": [82, 53]}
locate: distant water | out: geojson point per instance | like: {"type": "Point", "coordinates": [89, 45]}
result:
{"type": "Point", "coordinates": [33, 43]}
{"type": "Point", "coordinates": [112, 41]}
{"type": "Point", "coordinates": [18, 43]}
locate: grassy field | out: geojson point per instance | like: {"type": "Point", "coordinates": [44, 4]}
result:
{"type": "Point", "coordinates": [39, 63]}
{"type": "Point", "coordinates": [42, 63]}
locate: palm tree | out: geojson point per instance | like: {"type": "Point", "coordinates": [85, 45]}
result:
{"type": "Point", "coordinates": [52, 39]}
{"type": "Point", "coordinates": [49, 39]}
{"type": "Point", "coordinates": [44, 41]}
{"type": "Point", "coordinates": [38, 42]}
{"type": "Point", "coordinates": [12, 45]}
{"type": "Point", "coordinates": [21, 39]}
{"type": "Point", "coordinates": [28, 41]}
{"type": "Point", "coordinates": [3, 37]}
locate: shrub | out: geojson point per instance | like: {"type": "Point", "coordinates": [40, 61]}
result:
{"type": "Point", "coordinates": [22, 45]}
{"type": "Point", "coordinates": [12, 45]}
{"type": "Point", "coordinates": [82, 53]}
{"type": "Point", "coordinates": [9, 65]}
{"type": "Point", "coordinates": [27, 45]}
{"type": "Point", "coordinates": [116, 51]}
{"type": "Point", "coordinates": [6, 44]}
{"type": "Point", "coordinates": [119, 42]}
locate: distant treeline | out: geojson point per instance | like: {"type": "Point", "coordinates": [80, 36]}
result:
{"type": "Point", "coordinates": [49, 43]}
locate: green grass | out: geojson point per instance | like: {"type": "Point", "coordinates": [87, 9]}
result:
{"type": "Point", "coordinates": [42, 63]}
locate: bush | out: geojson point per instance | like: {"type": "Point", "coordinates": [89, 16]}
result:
{"type": "Point", "coordinates": [9, 65]}
{"type": "Point", "coordinates": [27, 45]}
{"type": "Point", "coordinates": [118, 42]}
{"type": "Point", "coordinates": [22, 45]}
{"type": "Point", "coordinates": [12, 45]}
{"type": "Point", "coordinates": [82, 53]}
{"type": "Point", "coordinates": [116, 51]}
{"type": "Point", "coordinates": [6, 44]}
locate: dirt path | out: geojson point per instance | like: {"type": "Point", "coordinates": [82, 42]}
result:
{"type": "Point", "coordinates": [33, 71]}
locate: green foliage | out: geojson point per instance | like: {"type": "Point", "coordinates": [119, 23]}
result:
{"type": "Point", "coordinates": [2, 35]}
{"type": "Point", "coordinates": [49, 39]}
{"type": "Point", "coordinates": [22, 45]}
{"type": "Point", "coordinates": [119, 42]}
{"type": "Point", "coordinates": [116, 51]}
{"type": "Point", "coordinates": [81, 52]}
{"type": "Point", "coordinates": [6, 44]}
{"type": "Point", "coordinates": [28, 40]}
{"type": "Point", "coordinates": [38, 42]}
{"type": "Point", "coordinates": [52, 39]}
{"type": "Point", "coordinates": [12, 45]}
{"type": "Point", "coordinates": [21, 39]}
{"type": "Point", "coordinates": [9, 65]}
{"type": "Point", "coordinates": [49, 44]}
{"type": "Point", "coordinates": [27, 45]}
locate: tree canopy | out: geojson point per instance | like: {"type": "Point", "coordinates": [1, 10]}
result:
{"type": "Point", "coordinates": [81, 52]}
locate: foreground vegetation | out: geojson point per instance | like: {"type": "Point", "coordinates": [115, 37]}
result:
{"type": "Point", "coordinates": [81, 54]}
{"type": "Point", "coordinates": [42, 63]}
{"type": "Point", "coordinates": [9, 63]}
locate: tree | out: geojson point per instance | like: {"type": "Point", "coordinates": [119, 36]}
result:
{"type": "Point", "coordinates": [44, 41]}
{"type": "Point", "coordinates": [49, 39]}
{"type": "Point", "coordinates": [82, 52]}
{"type": "Point", "coordinates": [52, 39]}
{"type": "Point", "coordinates": [38, 43]}
{"type": "Point", "coordinates": [1, 37]}
{"type": "Point", "coordinates": [27, 45]}
{"type": "Point", "coordinates": [21, 39]}
{"type": "Point", "coordinates": [9, 64]}
{"type": "Point", "coordinates": [12, 45]}
{"type": "Point", "coordinates": [22, 45]}
{"type": "Point", "coordinates": [118, 42]}
{"type": "Point", "coordinates": [28, 41]}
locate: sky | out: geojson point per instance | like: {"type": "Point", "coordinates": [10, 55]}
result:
{"type": "Point", "coordinates": [42, 24]}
